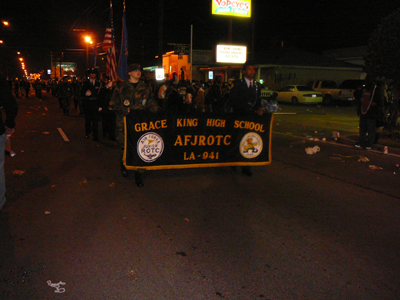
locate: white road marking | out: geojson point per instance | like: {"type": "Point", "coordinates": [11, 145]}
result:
{"type": "Point", "coordinates": [63, 134]}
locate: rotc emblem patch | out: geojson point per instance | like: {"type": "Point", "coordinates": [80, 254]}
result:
{"type": "Point", "coordinates": [251, 145]}
{"type": "Point", "coordinates": [150, 146]}
{"type": "Point", "coordinates": [127, 103]}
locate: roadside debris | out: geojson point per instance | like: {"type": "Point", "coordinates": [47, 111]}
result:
{"type": "Point", "coordinates": [335, 135]}
{"type": "Point", "coordinates": [363, 159]}
{"type": "Point", "coordinates": [312, 150]}
{"type": "Point", "coordinates": [18, 172]}
{"type": "Point", "coordinates": [373, 167]}
{"type": "Point", "coordinates": [56, 286]}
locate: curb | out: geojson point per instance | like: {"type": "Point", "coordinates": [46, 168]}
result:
{"type": "Point", "coordinates": [347, 140]}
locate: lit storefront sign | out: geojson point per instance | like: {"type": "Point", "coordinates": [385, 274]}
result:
{"type": "Point", "coordinates": [235, 8]}
{"type": "Point", "coordinates": [160, 74]}
{"type": "Point", "coordinates": [231, 54]}
{"type": "Point", "coordinates": [210, 75]}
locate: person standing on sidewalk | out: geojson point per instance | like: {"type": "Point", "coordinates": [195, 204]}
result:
{"type": "Point", "coordinates": [369, 105]}
{"type": "Point", "coordinates": [10, 108]}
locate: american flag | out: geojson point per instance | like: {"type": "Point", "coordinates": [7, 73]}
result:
{"type": "Point", "coordinates": [109, 45]}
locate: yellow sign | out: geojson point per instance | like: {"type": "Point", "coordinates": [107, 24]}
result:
{"type": "Point", "coordinates": [235, 8]}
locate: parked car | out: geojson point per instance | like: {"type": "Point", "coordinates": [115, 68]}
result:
{"type": "Point", "coordinates": [328, 88]}
{"type": "Point", "coordinates": [298, 94]}
{"type": "Point", "coordinates": [267, 93]}
{"type": "Point", "coordinates": [348, 86]}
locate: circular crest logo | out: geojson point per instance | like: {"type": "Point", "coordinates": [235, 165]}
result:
{"type": "Point", "coordinates": [251, 145]}
{"type": "Point", "coordinates": [150, 146]}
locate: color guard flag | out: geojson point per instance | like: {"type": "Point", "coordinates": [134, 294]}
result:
{"type": "Point", "coordinates": [122, 71]}
{"type": "Point", "coordinates": [109, 46]}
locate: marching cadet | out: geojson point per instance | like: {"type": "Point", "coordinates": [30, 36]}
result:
{"type": "Point", "coordinates": [130, 95]}
{"type": "Point", "coordinates": [108, 116]}
{"type": "Point", "coordinates": [91, 103]}
{"type": "Point", "coordinates": [64, 95]}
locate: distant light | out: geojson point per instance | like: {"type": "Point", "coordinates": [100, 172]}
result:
{"type": "Point", "coordinates": [1, 42]}
{"type": "Point", "coordinates": [210, 75]}
{"type": "Point", "coordinates": [5, 23]}
{"type": "Point", "coordinates": [48, 71]}
{"type": "Point", "coordinates": [261, 81]}
{"type": "Point", "coordinates": [160, 74]}
{"type": "Point", "coordinates": [88, 39]}
{"type": "Point", "coordinates": [19, 53]}
{"type": "Point", "coordinates": [21, 59]}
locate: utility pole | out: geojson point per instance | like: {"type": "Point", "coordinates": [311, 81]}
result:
{"type": "Point", "coordinates": [51, 64]}
{"type": "Point", "coordinates": [160, 33]}
{"type": "Point", "coordinates": [191, 53]}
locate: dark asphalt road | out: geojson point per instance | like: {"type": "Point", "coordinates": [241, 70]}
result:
{"type": "Point", "coordinates": [321, 226]}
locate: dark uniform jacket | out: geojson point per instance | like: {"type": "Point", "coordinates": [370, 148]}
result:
{"type": "Point", "coordinates": [90, 94]}
{"type": "Point", "coordinates": [127, 96]}
{"type": "Point", "coordinates": [245, 100]}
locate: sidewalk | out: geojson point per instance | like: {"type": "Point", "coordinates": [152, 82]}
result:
{"type": "Point", "coordinates": [393, 146]}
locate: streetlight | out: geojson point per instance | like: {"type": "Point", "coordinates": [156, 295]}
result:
{"type": "Point", "coordinates": [1, 42]}
{"type": "Point", "coordinates": [5, 23]}
{"type": "Point", "coordinates": [88, 41]}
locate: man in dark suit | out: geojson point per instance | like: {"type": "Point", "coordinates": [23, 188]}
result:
{"type": "Point", "coordinates": [245, 98]}
{"type": "Point", "coordinates": [91, 103]}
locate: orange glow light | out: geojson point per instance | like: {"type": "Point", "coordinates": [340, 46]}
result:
{"type": "Point", "coordinates": [5, 23]}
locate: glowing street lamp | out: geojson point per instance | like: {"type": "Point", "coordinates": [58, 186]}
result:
{"type": "Point", "coordinates": [88, 41]}
{"type": "Point", "coordinates": [21, 59]}
{"type": "Point", "coordinates": [5, 23]}
{"type": "Point", "coordinates": [1, 42]}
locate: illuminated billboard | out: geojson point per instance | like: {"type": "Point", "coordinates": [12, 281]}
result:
{"type": "Point", "coordinates": [231, 54]}
{"type": "Point", "coordinates": [235, 8]}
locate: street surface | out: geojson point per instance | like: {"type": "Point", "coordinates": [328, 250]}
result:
{"type": "Point", "coordinates": [322, 226]}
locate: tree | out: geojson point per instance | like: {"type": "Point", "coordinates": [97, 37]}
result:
{"type": "Point", "coordinates": [383, 58]}
{"type": "Point", "coordinates": [383, 61]}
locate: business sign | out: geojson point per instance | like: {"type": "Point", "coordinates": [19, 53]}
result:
{"type": "Point", "coordinates": [182, 140]}
{"type": "Point", "coordinates": [160, 74]}
{"type": "Point", "coordinates": [210, 75]}
{"type": "Point", "coordinates": [231, 54]}
{"type": "Point", "coordinates": [235, 8]}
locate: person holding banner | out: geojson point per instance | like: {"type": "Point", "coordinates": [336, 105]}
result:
{"type": "Point", "coordinates": [131, 94]}
{"type": "Point", "coordinates": [245, 98]}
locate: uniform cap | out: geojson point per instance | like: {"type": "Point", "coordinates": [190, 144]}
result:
{"type": "Point", "coordinates": [134, 67]}
{"type": "Point", "coordinates": [92, 71]}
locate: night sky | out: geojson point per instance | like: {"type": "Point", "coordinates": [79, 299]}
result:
{"type": "Point", "coordinates": [38, 27]}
